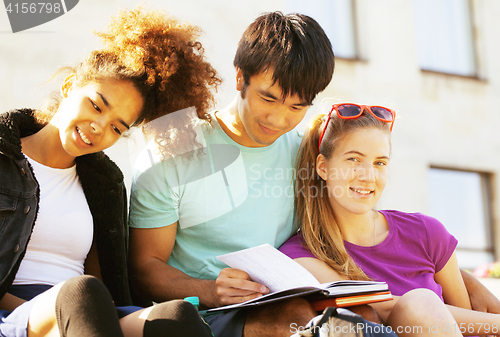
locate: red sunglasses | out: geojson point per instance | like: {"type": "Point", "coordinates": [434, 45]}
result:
{"type": "Point", "coordinates": [351, 111]}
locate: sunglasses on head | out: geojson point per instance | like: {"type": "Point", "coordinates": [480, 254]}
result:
{"type": "Point", "coordinates": [351, 111]}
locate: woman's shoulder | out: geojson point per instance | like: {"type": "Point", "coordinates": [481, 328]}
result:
{"type": "Point", "coordinates": [410, 220]}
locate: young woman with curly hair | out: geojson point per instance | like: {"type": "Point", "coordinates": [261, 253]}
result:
{"type": "Point", "coordinates": [62, 201]}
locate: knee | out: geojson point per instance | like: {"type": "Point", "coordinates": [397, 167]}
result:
{"type": "Point", "coordinates": [420, 306]}
{"type": "Point", "coordinates": [89, 282]}
{"type": "Point", "coordinates": [184, 308]}
{"type": "Point", "coordinates": [177, 310]}
{"type": "Point", "coordinates": [417, 299]}
{"type": "Point", "coordinates": [178, 317]}
{"type": "Point", "coordinates": [84, 287]}
{"type": "Point", "coordinates": [84, 307]}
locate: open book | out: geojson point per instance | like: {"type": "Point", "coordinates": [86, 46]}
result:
{"type": "Point", "coordinates": [285, 278]}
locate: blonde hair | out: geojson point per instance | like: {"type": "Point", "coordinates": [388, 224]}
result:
{"type": "Point", "coordinates": [313, 211]}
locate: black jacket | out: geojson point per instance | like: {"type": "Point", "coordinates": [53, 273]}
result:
{"type": "Point", "coordinates": [102, 183]}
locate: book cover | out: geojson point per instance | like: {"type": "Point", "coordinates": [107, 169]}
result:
{"type": "Point", "coordinates": [349, 301]}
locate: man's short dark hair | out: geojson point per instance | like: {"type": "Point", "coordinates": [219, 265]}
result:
{"type": "Point", "coordinates": [294, 47]}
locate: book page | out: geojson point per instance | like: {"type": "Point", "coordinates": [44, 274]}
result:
{"type": "Point", "coordinates": [353, 287]}
{"type": "Point", "coordinates": [270, 267]}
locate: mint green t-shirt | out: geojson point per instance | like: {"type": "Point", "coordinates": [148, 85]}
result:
{"type": "Point", "coordinates": [226, 197]}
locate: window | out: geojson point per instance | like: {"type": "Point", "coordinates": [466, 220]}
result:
{"type": "Point", "coordinates": [444, 36]}
{"type": "Point", "coordinates": [336, 17]}
{"type": "Point", "coordinates": [461, 201]}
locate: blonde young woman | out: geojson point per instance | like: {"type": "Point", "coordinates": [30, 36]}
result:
{"type": "Point", "coordinates": [63, 266]}
{"type": "Point", "coordinates": [342, 171]}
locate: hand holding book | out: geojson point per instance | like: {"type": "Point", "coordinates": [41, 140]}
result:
{"type": "Point", "coordinates": [286, 278]}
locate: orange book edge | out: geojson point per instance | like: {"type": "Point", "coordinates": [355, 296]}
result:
{"type": "Point", "coordinates": [348, 301]}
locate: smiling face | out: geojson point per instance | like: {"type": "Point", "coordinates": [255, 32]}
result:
{"type": "Point", "coordinates": [263, 113]}
{"type": "Point", "coordinates": [92, 117]}
{"type": "Point", "coordinates": [356, 173]}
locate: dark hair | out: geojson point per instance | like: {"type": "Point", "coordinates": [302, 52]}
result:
{"type": "Point", "coordinates": [313, 211]}
{"type": "Point", "coordinates": [159, 55]}
{"type": "Point", "coordinates": [294, 46]}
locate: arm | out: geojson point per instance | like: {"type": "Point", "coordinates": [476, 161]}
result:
{"type": "Point", "coordinates": [474, 323]}
{"type": "Point", "coordinates": [481, 298]}
{"type": "Point", "coordinates": [450, 280]}
{"type": "Point", "coordinates": [153, 278]}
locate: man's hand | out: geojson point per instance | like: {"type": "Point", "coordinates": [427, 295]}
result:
{"type": "Point", "coordinates": [234, 286]}
{"type": "Point", "coordinates": [480, 297]}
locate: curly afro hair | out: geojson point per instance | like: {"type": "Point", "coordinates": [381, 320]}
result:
{"type": "Point", "coordinates": [168, 57]}
{"type": "Point", "coordinates": [159, 55]}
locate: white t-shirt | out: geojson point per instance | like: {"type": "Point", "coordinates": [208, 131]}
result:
{"type": "Point", "coordinates": [63, 230]}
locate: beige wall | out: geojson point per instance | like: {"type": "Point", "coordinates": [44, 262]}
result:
{"type": "Point", "coordinates": [442, 120]}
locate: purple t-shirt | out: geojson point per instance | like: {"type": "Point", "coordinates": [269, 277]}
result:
{"type": "Point", "coordinates": [417, 247]}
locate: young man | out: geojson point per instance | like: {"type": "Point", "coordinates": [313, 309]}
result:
{"type": "Point", "coordinates": [237, 191]}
